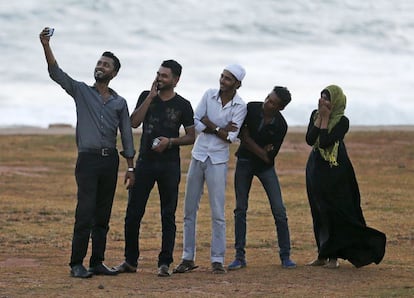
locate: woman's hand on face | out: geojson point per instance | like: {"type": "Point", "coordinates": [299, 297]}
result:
{"type": "Point", "coordinates": [324, 102]}
{"type": "Point", "coordinates": [324, 107]}
{"type": "Point", "coordinates": [320, 103]}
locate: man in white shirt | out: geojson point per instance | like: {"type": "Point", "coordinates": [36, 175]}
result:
{"type": "Point", "coordinates": [217, 118]}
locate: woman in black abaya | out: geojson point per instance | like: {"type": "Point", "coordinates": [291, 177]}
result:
{"type": "Point", "coordinates": [339, 225]}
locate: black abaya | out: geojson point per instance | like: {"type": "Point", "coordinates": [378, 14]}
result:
{"type": "Point", "coordinates": [339, 225]}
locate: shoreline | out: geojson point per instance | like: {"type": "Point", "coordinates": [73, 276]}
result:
{"type": "Point", "coordinates": [62, 129]}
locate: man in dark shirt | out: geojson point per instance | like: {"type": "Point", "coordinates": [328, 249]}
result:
{"type": "Point", "coordinates": [162, 112]}
{"type": "Point", "coordinates": [100, 113]}
{"type": "Point", "coordinates": [262, 134]}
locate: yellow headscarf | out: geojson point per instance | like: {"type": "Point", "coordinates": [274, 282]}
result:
{"type": "Point", "coordinates": [338, 102]}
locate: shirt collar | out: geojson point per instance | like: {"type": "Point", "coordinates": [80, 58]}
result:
{"type": "Point", "coordinates": [237, 100]}
{"type": "Point", "coordinates": [112, 91]}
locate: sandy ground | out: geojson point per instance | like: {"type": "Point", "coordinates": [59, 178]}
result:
{"type": "Point", "coordinates": [36, 223]}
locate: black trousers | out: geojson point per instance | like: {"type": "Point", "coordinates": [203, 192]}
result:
{"type": "Point", "coordinates": [167, 175]}
{"type": "Point", "coordinates": [96, 177]}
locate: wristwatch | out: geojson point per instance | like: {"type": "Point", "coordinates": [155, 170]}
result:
{"type": "Point", "coordinates": [217, 129]}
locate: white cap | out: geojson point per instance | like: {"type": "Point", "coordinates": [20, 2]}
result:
{"type": "Point", "coordinates": [237, 70]}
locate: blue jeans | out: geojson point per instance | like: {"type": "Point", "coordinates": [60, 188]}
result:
{"type": "Point", "coordinates": [215, 177]}
{"type": "Point", "coordinates": [167, 174]}
{"type": "Point", "coordinates": [242, 183]}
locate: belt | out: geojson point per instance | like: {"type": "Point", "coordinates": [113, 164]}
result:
{"type": "Point", "coordinates": [101, 152]}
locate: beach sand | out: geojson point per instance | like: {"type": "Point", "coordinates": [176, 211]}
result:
{"type": "Point", "coordinates": [38, 199]}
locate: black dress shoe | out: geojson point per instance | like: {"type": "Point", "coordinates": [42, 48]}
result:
{"type": "Point", "coordinates": [80, 272]}
{"type": "Point", "coordinates": [125, 268]}
{"type": "Point", "coordinates": [163, 271]}
{"type": "Point", "coordinates": [102, 269]}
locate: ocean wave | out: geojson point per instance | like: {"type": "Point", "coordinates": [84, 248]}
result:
{"type": "Point", "coordinates": [365, 46]}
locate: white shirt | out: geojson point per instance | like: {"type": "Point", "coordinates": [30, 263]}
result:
{"type": "Point", "coordinates": [210, 145]}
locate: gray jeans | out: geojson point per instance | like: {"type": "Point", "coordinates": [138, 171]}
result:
{"type": "Point", "coordinates": [215, 176]}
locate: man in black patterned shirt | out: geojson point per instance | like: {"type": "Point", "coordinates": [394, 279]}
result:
{"type": "Point", "coordinates": [162, 112]}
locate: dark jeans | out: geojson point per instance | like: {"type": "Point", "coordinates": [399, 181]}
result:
{"type": "Point", "coordinates": [167, 175]}
{"type": "Point", "coordinates": [242, 183]}
{"type": "Point", "coordinates": [96, 177]}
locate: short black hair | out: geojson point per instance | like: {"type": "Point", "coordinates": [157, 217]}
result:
{"type": "Point", "coordinates": [284, 94]}
{"type": "Point", "coordinates": [174, 66]}
{"type": "Point", "coordinates": [117, 64]}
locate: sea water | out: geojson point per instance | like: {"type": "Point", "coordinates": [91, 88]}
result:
{"type": "Point", "coordinates": [366, 47]}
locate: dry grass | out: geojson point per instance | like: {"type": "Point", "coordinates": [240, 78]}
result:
{"type": "Point", "coordinates": [37, 191]}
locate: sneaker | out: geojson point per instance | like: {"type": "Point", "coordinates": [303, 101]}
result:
{"type": "Point", "coordinates": [332, 264]}
{"type": "Point", "coordinates": [217, 268]}
{"type": "Point", "coordinates": [288, 264]}
{"type": "Point", "coordinates": [318, 262]}
{"type": "Point", "coordinates": [237, 264]}
{"type": "Point", "coordinates": [163, 271]}
{"type": "Point", "coordinates": [185, 266]}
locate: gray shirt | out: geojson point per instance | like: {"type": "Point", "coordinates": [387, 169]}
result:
{"type": "Point", "coordinates": [97, 121]}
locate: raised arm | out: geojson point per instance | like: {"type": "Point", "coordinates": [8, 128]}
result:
{"type": "Point", "coordinates": [138, 116]}
{"type": "Point", "coordinates": [44, 40]}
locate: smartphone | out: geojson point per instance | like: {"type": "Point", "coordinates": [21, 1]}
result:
{"type": "Point", "coordinates": [155, 143]}
{"type": "Point", "coordinates": [49, 32]}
